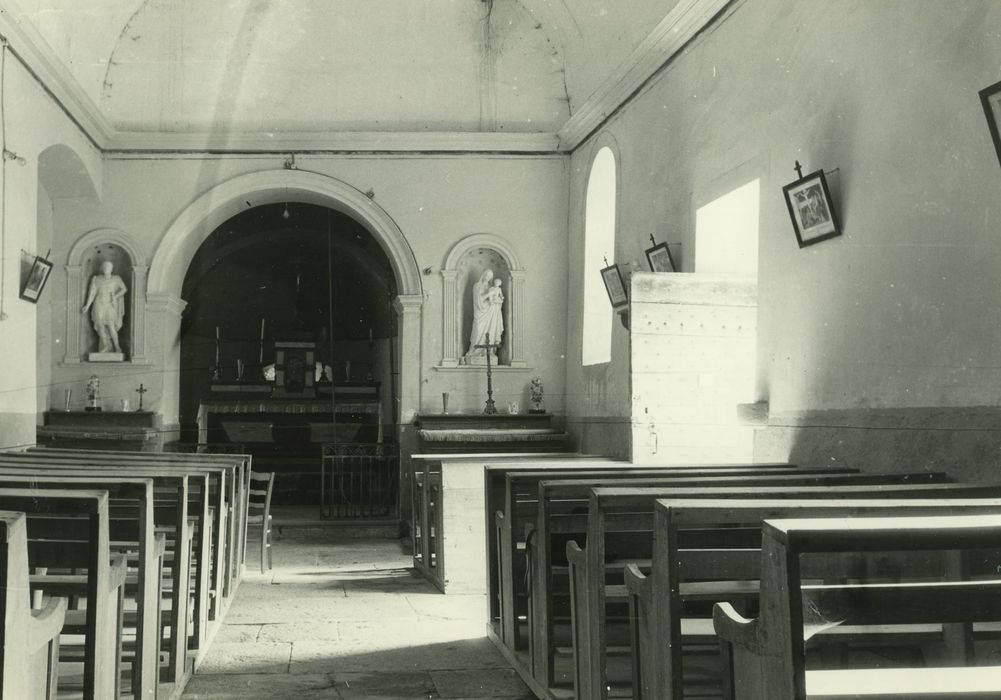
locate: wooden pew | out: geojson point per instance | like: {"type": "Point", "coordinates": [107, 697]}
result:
{"type": "Point", "coordinates": [29, 667]}
{"type": "Point", "coordinates": [629, 509]}
{"type": "Point", "coordinates": [513, 499]}
{"type": "Point", "coordinates": [219, 491]}
{"type": "Point", "coordinates": [69, 529]}
{"type": "Point", "coordinates": [235, 493]}
{"type": "Point", "coordinates": [768, 652]}
{"type": "Point", "coordinates": [130, 527]}
{"type": "Point", "coordinates": [171, 514]}
{"type": "Point", "coordinates": [713, 540]}
{"type": "Point", "coordinates": [572, 496]}
{"type": "Point", "coordinates": [443, 518]}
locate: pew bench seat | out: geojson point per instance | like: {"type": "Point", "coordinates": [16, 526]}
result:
{"type": "Point", "coordinates": [905, 684]}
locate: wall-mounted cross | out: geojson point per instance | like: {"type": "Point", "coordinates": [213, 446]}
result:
{"type": "Point", "coordinates": [799, 170]}
{"type": "Point", "coordinates": [489, 409]}
{"type": "Point", "coordinates": [141, 390]}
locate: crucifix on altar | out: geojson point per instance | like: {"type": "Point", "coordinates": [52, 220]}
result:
{"type": "Point", "coordinates": [489, 347]}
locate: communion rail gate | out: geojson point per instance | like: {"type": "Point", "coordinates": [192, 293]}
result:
{"type": "Point", "coordinates": [359, 480]}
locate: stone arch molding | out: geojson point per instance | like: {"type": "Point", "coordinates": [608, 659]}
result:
{"type": "Point", "coordinates": [200, 218]}
{"type": "Point", "coordinates": [452, 307]}
{"type": "Point", "coordinates": [136, 296]}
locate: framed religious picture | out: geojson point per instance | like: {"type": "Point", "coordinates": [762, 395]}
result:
{"type": "Point", "coordinates": [990, 98]}
{"type": "Point", "coordinates": [811, 210]}
{"type": "Point", "coordinates": [38, 275]}
{"type": "Point", "coordinates": [295, 363]}
{"type": "Point", "coordinates": [659, 258]}
{"type": "Point", "coordinates": [615, 286]}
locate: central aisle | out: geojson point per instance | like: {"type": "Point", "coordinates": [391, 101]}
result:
{"type": "Point", "coordinates": [350, 620]}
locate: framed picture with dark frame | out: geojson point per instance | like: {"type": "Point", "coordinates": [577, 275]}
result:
{"type": "Point", "coordinates": [990, 98]}
{"type": "Point", "coordinates": [295, 369]}
{"type": "Point", "coordinates": [659, 258]}
{"type": "Point", "coordinates": [615, 286]}
{"type": "Point", "coordinates": [38, 275]}
{"type": "Point", "coordinates": [811, 209]}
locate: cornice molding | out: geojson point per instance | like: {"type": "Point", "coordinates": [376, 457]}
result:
{"type": "Point", "coordinates": [669, 37]}
{"type": "Point", "coordinates": [39, 58]}
{"type": "Point", "coordinates": [334, 141]}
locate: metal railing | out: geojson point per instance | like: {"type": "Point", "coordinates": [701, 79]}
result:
{"type": "Point", "coordinates": [359, 480]}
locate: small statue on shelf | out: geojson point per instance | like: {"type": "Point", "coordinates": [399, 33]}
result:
{"type": "Point", "coordinates": [93, 393]}
{"type": "Point", "coordinates": [535, 392]}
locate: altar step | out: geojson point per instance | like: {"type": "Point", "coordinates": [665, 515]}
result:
{"type": "Point", "coordinates": [305, 522]}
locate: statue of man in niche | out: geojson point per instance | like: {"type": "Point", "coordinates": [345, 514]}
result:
{"type": "Point", "coordinates": [488, 318]}
{"type": "Point", "coordinates": [106, 302]}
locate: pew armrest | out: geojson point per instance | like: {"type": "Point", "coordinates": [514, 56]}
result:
{"type": "Point", "coordinates": [575, 554]}
{"type": "Point", "coordinates": [637, 583]}
{"type": "Point", "coordinates": [47, 623]}
{"type": "Point", "coordinates": [734, 628]}
{"type": "Point", "coordinates": [117, 572]}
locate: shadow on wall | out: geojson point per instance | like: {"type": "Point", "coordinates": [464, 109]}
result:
{"type": "Point", "coordinates": [963, 442]}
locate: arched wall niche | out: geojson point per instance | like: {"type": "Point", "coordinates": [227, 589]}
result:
{"type": "Point", "coordinates": [465, 262]}
{"type": "Point", "coordinates": [84, 261]}
{"type": "Point", "coordinates": [204, 214]}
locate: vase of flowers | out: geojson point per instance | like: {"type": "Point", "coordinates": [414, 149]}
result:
{"type": "Point", "coordinates": [535, 392]}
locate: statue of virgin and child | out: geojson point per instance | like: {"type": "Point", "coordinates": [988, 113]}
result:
{"type": "Point", "coordinates": [106, 303]}
{"type": "Point", "coordinates": [488, 319]}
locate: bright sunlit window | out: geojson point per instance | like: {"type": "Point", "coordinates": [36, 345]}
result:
{"type": "Point", "coordinates": [599, 243]}
{"type": "Point", "coordinates": [726, 233]}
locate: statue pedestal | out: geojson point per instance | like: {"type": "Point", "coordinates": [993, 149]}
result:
{"type": "Point", "coordinates": [106, 357]}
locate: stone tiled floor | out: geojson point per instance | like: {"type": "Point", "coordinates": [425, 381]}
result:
{"type": "Point", "coordinates": [350, 620]}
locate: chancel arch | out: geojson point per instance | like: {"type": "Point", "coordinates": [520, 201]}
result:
{"type": "Point", "coordinates": [464, 263]}
{"type": "Point", "coordinates": [204, 215]}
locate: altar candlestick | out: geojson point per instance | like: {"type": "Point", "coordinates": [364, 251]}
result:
{"type": "Point", "coordinates": [260, 356]}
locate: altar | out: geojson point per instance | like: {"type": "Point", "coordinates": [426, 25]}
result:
{"type": "Point", "coordinates": [140, 431]}
{"type": "Point", "coordinates": [248, 414]}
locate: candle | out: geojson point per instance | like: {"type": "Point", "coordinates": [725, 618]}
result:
{"type": "Point", "coordinates": [217, 332]}
{"type": "Point", "coordinates": [262, 330]}
{"type": "Point", "coordinates": [370, 335]}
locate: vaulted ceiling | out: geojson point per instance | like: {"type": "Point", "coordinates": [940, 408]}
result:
{"type": "Point", "coordinates": [302, 66]}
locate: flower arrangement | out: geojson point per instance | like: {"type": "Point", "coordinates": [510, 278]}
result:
{"type": "Point", "coordinates": [536, 392]}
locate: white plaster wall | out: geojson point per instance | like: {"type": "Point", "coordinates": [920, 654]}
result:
{"type": "Point", "coordinates": [436, 201]}
{"type": "Point", "coordinates": [901, 311]}
{"type": "Point", "coordinates": [33, 123]}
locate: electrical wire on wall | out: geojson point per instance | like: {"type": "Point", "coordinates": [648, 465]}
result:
{"type": "Point", "coordinates": [3, 178]}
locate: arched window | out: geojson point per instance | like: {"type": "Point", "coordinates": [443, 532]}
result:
{"type": "Point", "coordinates": [599, 244]}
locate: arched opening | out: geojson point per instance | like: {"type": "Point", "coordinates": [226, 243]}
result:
{"type": "Point", "coordinates": [283, 276]}
{"type": "Point", "coordinates": [193, 225]}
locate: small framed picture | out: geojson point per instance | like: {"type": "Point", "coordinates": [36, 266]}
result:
{"type": "Point", "coordinates": [38, 275]}
{"type": "Point", "coordinates": [990, 97]}
{"type": "Point", "coordinates": [660, 258]}
{"type": "Point", "coordinates": [811, 209]}
{"type": "Point", "coordinates": [615, 286]}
